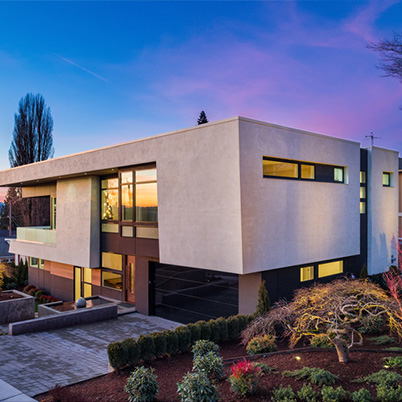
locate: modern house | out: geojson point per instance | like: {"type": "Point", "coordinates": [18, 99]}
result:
{"type": "Point", "coordinates": [187, 224]}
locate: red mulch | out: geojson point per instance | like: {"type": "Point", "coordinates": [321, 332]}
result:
{"type": "Point", "coordinates": [9, 296]}
{"type": "Point", "coordinates": [171, 370]}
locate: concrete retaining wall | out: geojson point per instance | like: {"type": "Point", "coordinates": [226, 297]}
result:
{"type": "Point", "coordinates": [17, 309]}
{"type": "Point", "coordinates": [64, 320]}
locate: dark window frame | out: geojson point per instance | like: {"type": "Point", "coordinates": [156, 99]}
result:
{"type": "Point", "coordinates": [388, 174]}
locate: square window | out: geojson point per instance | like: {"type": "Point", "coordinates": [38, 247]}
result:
{"type": "Point", "coordinates": [306, 274]}
{"type": "Point", "coordinates": [386, 179]}
{"type": "Point", "coordinates": [307, 172]}
{"type": "Point", "coordinates": [338, 175]}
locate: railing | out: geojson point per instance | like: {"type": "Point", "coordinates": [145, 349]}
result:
{"type": "Point", "coordinates": [39, 234]}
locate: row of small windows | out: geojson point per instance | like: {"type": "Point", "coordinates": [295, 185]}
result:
{"type": "Point", "coordinates": [327, 269]}
{"type": "Point", "coordinates": [290, 169]}
{"type": "Point", "coordinates": [36, 263]}
{"type": "Point", "coordinates": [363, 192]}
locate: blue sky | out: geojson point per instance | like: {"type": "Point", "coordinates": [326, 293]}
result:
{"type": "Point", "coordinates": [117, 71]}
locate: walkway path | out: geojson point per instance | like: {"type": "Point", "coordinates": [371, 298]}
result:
{"type": "Point", "coordinates": [35, 363]}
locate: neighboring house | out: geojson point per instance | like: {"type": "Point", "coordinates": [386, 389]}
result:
{"type": "Point", "coordinates": [187, 224]}
{"type": "Point", "coordinates": [5, 239]}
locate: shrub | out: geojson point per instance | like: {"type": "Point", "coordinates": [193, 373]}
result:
{"type": "Point", "coordinates": [388, 378]}
{"type": "Point", "coordinates": [330, 394]}
{"type": "Point", "coordinates": [233, 328]}
{"type": "Point", "coordinates": [264, 303]}
{"type": "Point", "coordinates": [32, 291]}
{"type": "Point", "coordinates": [40, 293]}
{"type": "Point", "coordinates": [183, 338]}
{"type": "Point", "coordinates": [204, 329]}
{"type": "Point", "coordinates": [362, 395]}
{"type": "Point", "coordinates": [28, 288]}
{"type": "Point", "coordinates": [382, 340]}
{"type": "Point", "coordinates": [223, 329]}
{"type": "Point", "coordinates": [210, 364]}
{"type": "Point", "coordinates": [243, 321]}
{"type": "Point", "coordinates": [386, 393]}
{"type": "Point", "coordinates": [264, 368]}
{"type": "Point", "coordinates": [117, 354]}
{"type": "Point", "coordinates": [315, 375]}
{"type": "Point", "coordinates": [133, 351]}
{"type": "Point", "coordinates": [215, 331]}
{"type": "Point", "coordinates": [160, 343]}
{"type": "Point", "coordinates": [321, 341]}
{"type": "Point", "coordinates": [141, 385]}
{"type": "Point", "coordinates": [261, 344]}
{"type": "Point", "coordinates": [196, 387]}
{"type": "Point", "coordinates": [283, 394]}
{"type": "Point", "coordinates": [172, 342]}
{"type": "Point", "coordinates": [195, 330]}
{"type": "Point", "coordinates": [202, 347]}
{"type": "Point", "coordinates": [307, 394]}
{"type": "Point", "coordinates": [393, 349]}
{"type": "Point", "coordinates": [245, 377]}
{"type": "Point", "coordinates": [393, 361]}
{"type": "Point", "coordinates": [371, 325]}
{"type": "Point", "coordinates": [147, 347]}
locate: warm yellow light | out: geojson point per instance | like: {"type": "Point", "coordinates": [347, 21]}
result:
{"type": "Point", "coordinates": [297, 357]}
{"type": "Point", "coordinates": [386, 366]}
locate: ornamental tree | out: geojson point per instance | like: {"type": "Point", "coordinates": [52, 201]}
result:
{"type": "Point", "coordinates": [336, 309]}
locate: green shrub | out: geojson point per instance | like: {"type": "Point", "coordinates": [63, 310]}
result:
{"type": "Point", "coordinates": [264, 303]}
{"type": "Point", "coordinates": [386, 377]}
{"type": "Point", "coordinates": [261, 344]}
{"type": "Point", "coordinates": [321, 341]}
{"type": "Point", "coordinates": [330, 394]}
{"type": "Point", "coordinates": [133, 351]}
{"type": "Point", "coordinates": [283, 394]}
{"type": "Point", "coordinates": [386, 393]}
{"type": "Point", "coordinates": [371, 325]}
{"type": "Point", "coordinates": [233, 328]}
{"type": "Point", "coordinates": [39, 293]}
{"type": "Point", "coordinates": [210, 364]}
{"type": "Point", "coordinates": [147, 346]}
{"type": "Point", "coordinates": [223, 328]}
{"type": "Point", "coordinates": [32, 291]}
{"type": "Point", "coordinates": [264, 368]}
{"type": "Point", "coordinates": [160, 343]}
{"type": "Point", "coordinates": [141, 385]}
{"type": "Point", "coordinates": [172, 342]}
{"type": "Point", "coordinates": [117, 354]}
{"type": "Point", "coordinates": [183, 338]}
{"type": "Point", "coordinates": [196, 387]}
{"type": "Point", "coordinates": [393, 349]}
{"type": "Point", "coordinates": [195, 330]}
{"type": "Point", "coordinates": [215, 331]}
{"type": "Point", "coordinates": [364, 272]}
{"type": "Point", "coordinates": [382, 340]}
{"type": "Point", "coordinates": [202, 347]}
{"type": "Point", "coordinates": [243, 321]}
{"type": "Point", "coordinates": [307, 394]}
{"type": "Point", "coordinates": [205, 330]}
{"type": "Point", "coordinates": [393, 361]}
{"type": "Point", "coordinates": [245, 378]}
{"type": "Point", "coordinates": [315, 375]}
{"type": "Point", "coordinates": [362, 395]}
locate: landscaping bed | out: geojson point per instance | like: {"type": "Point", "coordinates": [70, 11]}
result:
{"type": "Point", "coordinates": [9, 296]}
{"type": "Point", "coordinates": [171, 370]}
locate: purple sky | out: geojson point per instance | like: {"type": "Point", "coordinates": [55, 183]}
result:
{"type": "Point", "coordinates": [117, 71]}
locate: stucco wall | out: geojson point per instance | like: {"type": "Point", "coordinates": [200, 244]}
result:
{"type": "Point", "coordinates": [294, 222]}
{"type": "Point", "coordinates": [382, 206]}
{"type": "Point", "coordinates": [77, 226]}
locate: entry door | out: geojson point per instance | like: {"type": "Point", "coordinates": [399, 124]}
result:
{"type": "Point", "coordinates": [130, 282]}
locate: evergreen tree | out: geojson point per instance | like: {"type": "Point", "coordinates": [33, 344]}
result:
{"type": "Point", "coordinates": [203, 118]}
{"type": "Point", "coordinates": [363, 272]}
{"type": "Point", "coordinates": [264, 303]}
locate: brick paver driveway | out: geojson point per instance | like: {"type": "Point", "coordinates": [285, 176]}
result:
{"type": "Point", "coordinates": [34, 363]}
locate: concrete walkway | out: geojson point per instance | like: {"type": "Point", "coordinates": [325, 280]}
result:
{"type": "Point", "coordinates": [35, 363]}
{"type": "Point", "coordinates": [11, 394]}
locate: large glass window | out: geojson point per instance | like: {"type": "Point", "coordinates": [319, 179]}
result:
{"type": "Point", "coordinates": [110, 199]}
{"type": "Point", "coordinates": [330, 268]}
{"type": "Point", "coordinates": [146, 196]}
{"type": "Point", "coordinates": [126, 196]}
{"type": "Point", "coordinates": [112, 280]}
{"type": "Point", "coordinates": [112, 261]}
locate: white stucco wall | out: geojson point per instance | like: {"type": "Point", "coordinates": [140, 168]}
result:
{"type": "Point", "coordinates": [294, 222]}
{"type": "Point", "coordinates": [77, 230]}
{"type": "Point", "coordinates": [382, 206]}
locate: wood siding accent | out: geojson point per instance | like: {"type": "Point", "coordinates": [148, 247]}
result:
{"type": "Point", "coordinates": [96, 277]}
{"type": "Point", "coordinates": [62, 270]}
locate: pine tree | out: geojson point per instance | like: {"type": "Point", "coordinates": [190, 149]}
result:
{"type": "Point", "coordinates": [363, 272]}
{"type": "Point", "coordinates": [203, 118]}
{"type": "Point", "coordinates": [264, 303]}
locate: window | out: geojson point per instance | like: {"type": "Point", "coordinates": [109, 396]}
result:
{"type": "Point", "coordinates": [298, 170]}
{"type": "Point", "coordinates": [330, 268]}
{"type": "Point", "coordinates": [33, 262]}
{"type": "Point", "coordinates": [126, 196]}
{"type": "Point", "coordinates": [41, 263]}
{"type": "Point", "coordinates": [112, 280]}
{"type": "Point", "coordinates": [110, 199]}
{"type": "Point", "coordinates": [110, 228]}
{"type": "Point", "coordinates": [87, 282]}
{"type": "Point", "coordinates": [112, 261]}
{"type": "Point", "coordinates": [386, 179]}
{"type": "Point", "coordinates": [306, 274]}
{"type": "Point", "coordinates": [338, 175]}
{"type": "Point", "coordinates": [363, 192]}
{"type": "Point", "coordinates": [146, 196]}
{"type": "Point", "coordinates": [362, 207]}
{"type": "Point", "coordinates": [362, 176]}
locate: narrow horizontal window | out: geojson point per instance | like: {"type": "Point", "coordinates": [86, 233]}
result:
{"type": "Point", "coordinates": [147, 232]}
{"type": "Point", "coordinates": [127, 231]}
{"type": "Point", "coordinates": [280, 169]}
{"type": "Point", "coordinates": [386, 179]}
{"type": "Point", "coordinates": [306, 274]}
{"type": "Point", "coordinates": [110, 228]}
{"type": "Point", "coordinates": [362, 177]}
{"type": "Point", "coordinates": [330, 268]}
{"type": "Point", "coordinates": [112, 261]}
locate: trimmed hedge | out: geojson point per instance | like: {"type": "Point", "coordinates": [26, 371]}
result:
{"type": "Point", "coordinates": [147, 347]}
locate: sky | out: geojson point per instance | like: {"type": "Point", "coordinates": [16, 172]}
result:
{"type": "Point", "coordinates": [117, 71]}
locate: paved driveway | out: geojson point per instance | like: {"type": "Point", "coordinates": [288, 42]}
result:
{"type": "Point", "coordinates": [34, 363]}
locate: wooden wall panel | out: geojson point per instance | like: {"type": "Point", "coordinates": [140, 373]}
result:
{"type": "Point", "coordinates": [62, 270]}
